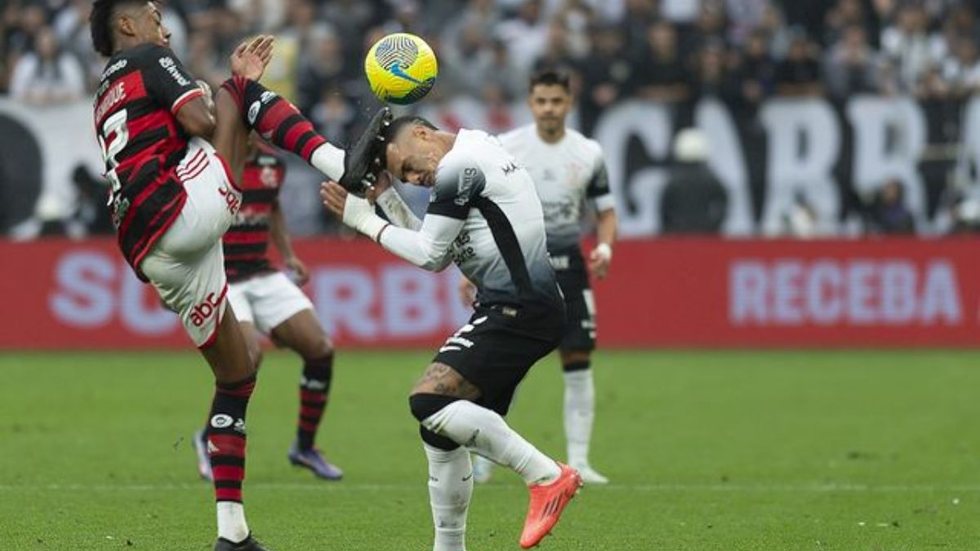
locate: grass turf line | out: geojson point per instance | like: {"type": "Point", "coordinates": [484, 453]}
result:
{"type": "Point", "coordinates": [707, 450]}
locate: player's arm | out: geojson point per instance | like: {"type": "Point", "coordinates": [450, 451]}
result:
{"type": "Point", "coordinates": [599, 193]}
{"type": "Point", "coordinates": [393, 205]}
{"type": "Point", "coordinates": [427, 247]}
{"type": "Point", "coordinates": [279, 235]}
{"type": "Point", "coordinates": [169, 83]}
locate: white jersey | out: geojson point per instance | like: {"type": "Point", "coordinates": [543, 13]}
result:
{"type": "Point", "coordinates": [565, 174]}
{"type": "Point", "coordinates": [484, 215]}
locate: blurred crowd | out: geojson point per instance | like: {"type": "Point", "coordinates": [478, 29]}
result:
{"type": "Point", "coordinates": [674, 51]}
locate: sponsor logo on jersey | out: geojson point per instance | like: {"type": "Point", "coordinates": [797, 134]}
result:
{"type": "Point", "coordinates": [465, 184]}
{"type": "Point", "coordinates": [111, 69]}
{"type": "Point", "coordinates": [170, 66]}
{"type": "Point", "coordinates": [510, 168]}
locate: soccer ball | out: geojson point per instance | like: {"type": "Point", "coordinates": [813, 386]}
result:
{"type": "Point", "coordinates": [401, 68]}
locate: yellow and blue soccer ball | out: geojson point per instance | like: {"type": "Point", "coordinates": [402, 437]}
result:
{"type": "Point", "coordinates": [401, 68]}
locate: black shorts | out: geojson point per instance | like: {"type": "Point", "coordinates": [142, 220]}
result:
{"type": "Point", "coordinates": [580, 329]}
{"type": "Point", "coordinates": [498, 346]}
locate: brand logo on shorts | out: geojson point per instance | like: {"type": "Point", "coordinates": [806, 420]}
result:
{"type": "Point", "coordinates": [203, 311]}
{"type": "Point", "coordinates": [222, 421]}
{"type": "Point", "coordinates": [232, 200]}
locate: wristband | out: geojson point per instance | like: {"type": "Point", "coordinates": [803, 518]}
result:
{"type": "Point", "coordinates": [604, 250]}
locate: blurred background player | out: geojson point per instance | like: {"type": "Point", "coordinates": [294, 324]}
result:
{"type": "Point", "coordinates": [568, 170]}
{"type": "Point", "coordinates": [266, 301]}
{"type": "Point", "coordinates": [486, 218]}
{"type": "Point", "coordinates": [172, 158]}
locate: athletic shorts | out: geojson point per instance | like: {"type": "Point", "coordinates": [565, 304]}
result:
{"type": "Point", "coordinates": [186, 265]}
{"type": "Point", "coordinates": [573, 279]}
{"type": "Point", "coordinates": [267, 300]}
{"type": "Point", "coordinates": [498, 346]}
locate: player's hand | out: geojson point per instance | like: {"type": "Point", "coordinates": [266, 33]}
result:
{"type": "Point", "coordinates": [334, 197]}
{"type": "Point", "coordinates": [298, 267]}
{"type": "Point", "coordinates": [251, 57]}
{"type": "Point", "coordinates": [467, 291]}
{"type": "Point", "coordinates": [599, 260]}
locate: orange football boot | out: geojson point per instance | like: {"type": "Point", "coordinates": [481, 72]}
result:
{"type": "Point", "coordinates": [547, 503]}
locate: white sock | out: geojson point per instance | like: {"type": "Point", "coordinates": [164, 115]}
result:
{"type": "Point", "coordinates": [329, 159]}
{"type": "Point", "coordinates": [231, 521]}
{"type": "Point", "coordinates": [579, 415]}
{"type": "Point", "coordinates": [486, 433]}
{"type": "Point", "coordinates": [450, 489]}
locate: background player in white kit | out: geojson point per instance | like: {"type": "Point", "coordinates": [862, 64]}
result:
{"type": "Point", "coordinates": [568, 171]}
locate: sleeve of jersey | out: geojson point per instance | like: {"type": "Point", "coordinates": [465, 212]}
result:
{"type": "Point", "coordinates": [427, 248]}
{"type": "Point", "coordinates": [598, 188]}
{"type": "Point", "coordinates": [458, 183]}
{"type": "Point", "coordinates": [397, 211]}
{"type": "Point", "coordinates": [166, 79]}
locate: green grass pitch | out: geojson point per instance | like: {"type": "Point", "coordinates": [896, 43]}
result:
{"type": "Point", "coordinates": [850, 450]}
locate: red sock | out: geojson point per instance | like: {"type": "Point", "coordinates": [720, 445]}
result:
{"type": "Point", "coordinates": [226, 438]}
{"type": "Point", "coordinates": [314, 388]}
{"type": "Point", "coordinates": [274, 118]}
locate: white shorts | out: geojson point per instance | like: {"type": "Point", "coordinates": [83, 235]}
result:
{"type": "Point", "coordinates": [186, 265]}
{"type": "Point", "coordinates": [267, 300]}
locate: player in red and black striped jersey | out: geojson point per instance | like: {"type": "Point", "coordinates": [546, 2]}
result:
{"type": "Point", "coordinates": [173, 157]}
{"type": "Point", "coordinates": [246, 243]}
{"type": "Point", "coordinates": [266, 301]}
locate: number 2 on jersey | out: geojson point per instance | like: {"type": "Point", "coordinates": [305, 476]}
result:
{"type": "Point", "coordinates": [112, 139]}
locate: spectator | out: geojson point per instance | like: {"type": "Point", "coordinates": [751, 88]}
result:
{"type": "Point", "coordinates": [799, 74]}
{"type": "Point", "coordinates": [889, 213]}
{"type": "Point", "coordinates": [325, 67]}
{"type": "Point", "coordinates": [843, 16]}
{"type": "Point", "coordinates": [638, 17]}
{"type": "Point", "coordinates": [906, 43]}
{"type": "Point", "coordinates": [962, 70]}
{"type": "Point", "coordinates": [756, 70]}
{"type": "Point", "coordinates": [694, 201]}
{"type": "Point", "coordinates": [605, 74]}
{"type": "Point", "coordinates": [849, 65]}
{"type": "Point", "coordinates": [664, 76]}
{"type": "Point", "coordinates": [466, 60]}
{"type": "Point", "coordinates": [557, 53]}
{"type": "Point", "coordinates": [961, 22]}
{"type": "Point", "coordinates": [714, 79]}
{"type": "Point", "coordinates": [333, 115]}
{"type": "Point", "coordinates": [744, 16]}
{"type": "Point", "coordinates": [48, 75]}
{"type": "Point", "coordinates": [526, 36]}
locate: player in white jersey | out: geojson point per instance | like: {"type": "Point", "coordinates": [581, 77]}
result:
{"type": "Point", "coordinates": [485, 217]}
{"type": "Point", "coordinates": [568, 171]}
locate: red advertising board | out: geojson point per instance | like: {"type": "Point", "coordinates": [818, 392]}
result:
{"type": "Point", "coordinates": [677, 292]}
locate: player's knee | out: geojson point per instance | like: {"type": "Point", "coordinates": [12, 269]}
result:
{"type": "Point", "coordinates": [256, 355]}
{"type": "Point", "coordinates": [436, 440]}
{"type": "Point", "coordinates": [424, 405]}
{"type": "Point", "coordinates": [575, 360]}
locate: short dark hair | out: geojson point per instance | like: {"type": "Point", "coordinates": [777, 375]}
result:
{"type": "Point", "coordinates": [100, 22]}
{"type": "Point", "coordinates": [551, 77]}
{"type": "Point", "coordinates": [389, 133]}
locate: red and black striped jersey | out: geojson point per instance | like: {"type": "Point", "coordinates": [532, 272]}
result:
{"type": "Point", "coordinates": [246, 243]}
{"type": "Point", "coordinates": [140, 92]}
